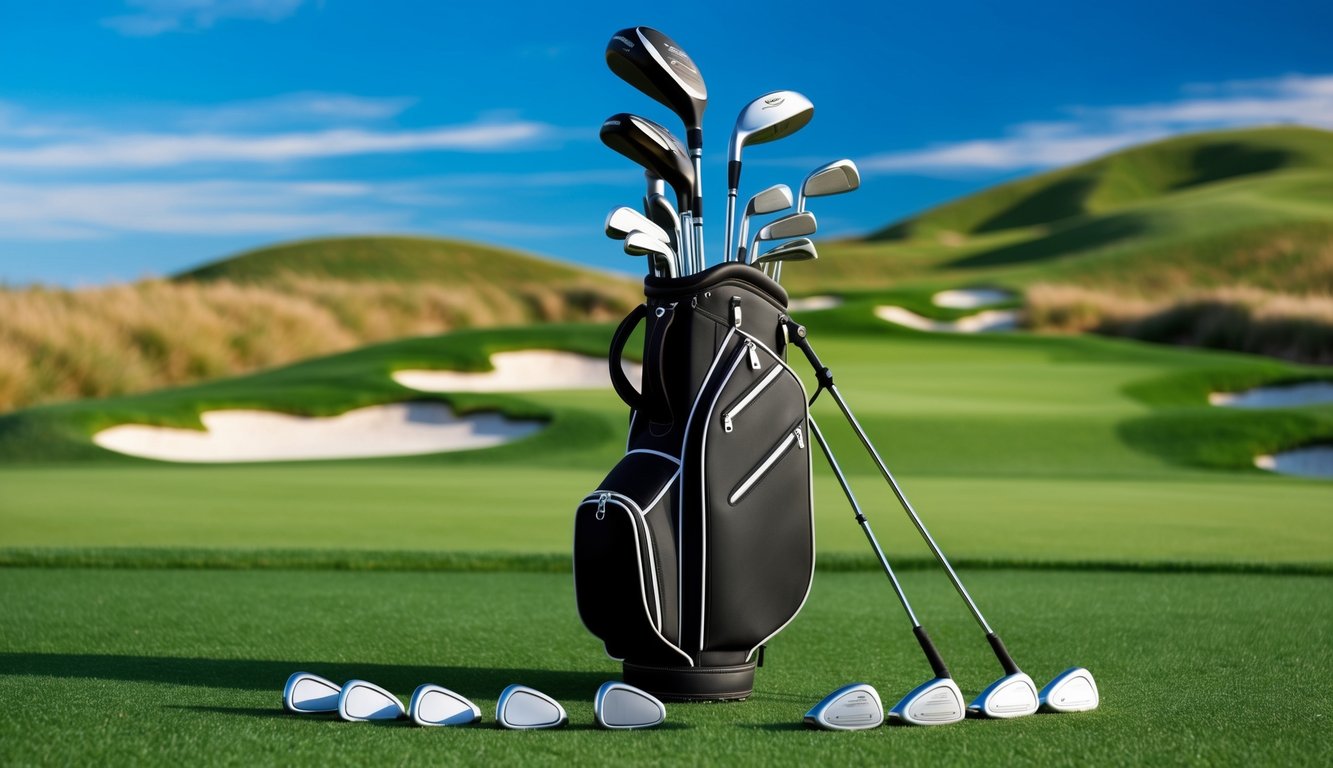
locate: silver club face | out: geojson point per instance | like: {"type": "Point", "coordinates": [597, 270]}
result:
{"type": "Point", "coordinates": [360, 701]}
{"type": "Point", "coordinates": [524, 708]}
{"type": "Point", "coordinates": [661, 255]}
{"type": "Point", "coordinates": [622, 706]}
{"type": "Point", "coordinates": [768, 118]}
{"type": "Point", "coordinates": [934, 702]}
{"type": "Point", "coordinates": [624, 220]}
{"type": "Point", "coordinates": [854, 707]}
{"type": "Point", "coordinates": [835, 178]}
{"type": "Point", "coordinates": [775, 198]}
{"type": "Point", "coordinates": [793, 225]}
{"type": "Point", "coordinates": [800, 249]}
{"type": "Point", "coordinates": [306, 693]}
{"type": "Point", "coordinates": [1011, 696]}
{"type": "Point", "coordinates": [435, 705]}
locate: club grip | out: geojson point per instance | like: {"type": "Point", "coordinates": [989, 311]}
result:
{"type": "Point", "coordinates": [932, 655]}
{"type": "Point", "coordinates": [1002, 653]}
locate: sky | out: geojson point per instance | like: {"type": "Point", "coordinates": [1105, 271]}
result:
{"type": "Point", "coordinates": [140, 138]}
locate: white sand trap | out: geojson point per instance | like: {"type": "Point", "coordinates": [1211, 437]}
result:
{"type": "Point", "coordinates": [1314, 461]}
{"type": "Point", "coordinates": [527, 371]}
{"type": "Point", "coordinates": [1308, 393]}
{"type": "Point", "coordinates": [398, 429]}
{"type": "Point", "coordinates": [814, 303]}
{"type": "Point", "coordinates": [970, 298]}
{"type": "Point", "coordinates": [981, 322]}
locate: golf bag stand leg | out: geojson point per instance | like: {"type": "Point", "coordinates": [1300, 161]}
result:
{"type": "Point", "coordinates": [797, 334]}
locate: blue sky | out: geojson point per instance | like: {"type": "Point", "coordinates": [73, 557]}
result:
{"type": "Point", "coordinates": [142, 137]}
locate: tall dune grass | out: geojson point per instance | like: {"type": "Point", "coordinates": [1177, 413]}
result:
{"type": "Point", "coordinates": [59, 344]}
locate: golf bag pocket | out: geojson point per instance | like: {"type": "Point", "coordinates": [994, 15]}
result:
{"type": "Point", "coordinates": [625, 569]}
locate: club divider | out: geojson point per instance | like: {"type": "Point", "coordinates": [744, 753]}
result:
{"type": "Point", "coordinates": [937, 664]}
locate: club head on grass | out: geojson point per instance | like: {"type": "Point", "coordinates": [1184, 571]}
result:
{"type": "Point", "coordinates": [1074, 690]}
{"type": "Point", "coordinates": [854, 707]}
{"type": "Point", "coordinates": [522, 708]}
{"type": "Point", "coordinates": [306, 694]}
{"type": "Point", "coordinates": [436, 705]}
{"type": "Point", "coordinates": [1011, 696]}
{"type": "Point", "coordinates": [835, 178]}
{"type": "Point", "coordinates": [623, 707]}
{"type": "Point", "coordinates": [934, 702]}
{"type": "Point", "coordinates": [361, 701]}
{"type": "Point", "coordinates": [624, 220]}
{"type": "Point", "coordinates": [800, 249]}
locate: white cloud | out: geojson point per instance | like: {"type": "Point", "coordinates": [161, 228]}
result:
{"type": "Point", "coordinates": [1093, 131]}
{"type": "Point", "coordinates": [294, 108]}
{"type": "Point", "coordinates": [155, 17]}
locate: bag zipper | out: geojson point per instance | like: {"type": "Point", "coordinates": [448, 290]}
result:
{"type": "Point", "coordinates": [754, 392]}
{"type": "Point", "coordinates": [795, 437]}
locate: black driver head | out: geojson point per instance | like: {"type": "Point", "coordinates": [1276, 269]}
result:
{"type": "Point", "coordinates": [653, 148]}
{"type": "Point", "coordinates": [653, 63]}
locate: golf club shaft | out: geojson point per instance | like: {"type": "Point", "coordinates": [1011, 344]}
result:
{"type": "Point", "coordinates": [932, 654]}
{"type": "Point", "coordinates": [697, 155]}
{"type": "Point", "coordinates": [797, 334]}
{"type": "Point", "coordinates": [731, 217]}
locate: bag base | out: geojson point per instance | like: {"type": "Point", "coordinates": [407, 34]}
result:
{"type": "Point", "coordinates": [729, 683]}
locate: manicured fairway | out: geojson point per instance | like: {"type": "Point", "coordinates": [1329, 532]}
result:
{"type": "Point", "coordinates": [186, 667]}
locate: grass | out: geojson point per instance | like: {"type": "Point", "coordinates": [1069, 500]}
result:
{"type": "Point", "coordinates": [132, 667]}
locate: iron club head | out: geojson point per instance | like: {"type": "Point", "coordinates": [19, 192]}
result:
{"type": "Point", "coordinates": [624, 220]}
{"type": "Point", "coordinates": [643, 244]}
{"type": "Point", "coordinates": [833, 178]}
{"type": "Point", "coordinates": [854, 707]}
{"type": "Point", "coordinates": [523, 708]}
{"type": "Point", "coordinates": [305, 693]}
{"type": "Point", "coordinates": [1011, 696]}
{"type": "Point", "coordinates": [621, 706]}
{"type": "Point", "coordinates": [361, 701]}
{"type": "Point", "coordinates": [436, 705]}
{"type": "Point", "coordinates": [800, 249]}
{"type": "Point", "coordinates": [1073, 690]}
{"type": "Point", "coordinates": [792, 225]}
{"type": "Point", "coordinates": [934, 702]}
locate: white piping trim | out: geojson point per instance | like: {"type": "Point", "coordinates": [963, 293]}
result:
{"type": "Point", "coordinates": [755, 391]}
{"type": "Point", "coordinates": [773, 457]}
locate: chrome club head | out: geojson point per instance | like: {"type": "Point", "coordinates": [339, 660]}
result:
{"type": "Point", "coordinates": [934, 702]}
{"type": "Point", "coordinates": [524, 708]}
{"type": "Point", "coordinates": [643, 244]}
{"type": "Point", "coordinates": [621, 706]}
{"type": "Point", "coordinates": [854, 707]}
{"type": "Point", "coordinates": [800, 249]}
{"type": "Point", "coordinates": [768, 118]}
{"type": "Point", "coordinates": [1073, 690]}
{"type": "Point", "coordinates": [624, 220]}
{"type": "Point", "coordinates": [438, 706]}
{"type": "Point", "coordinates": [775, 198]}
{"type": "Point", "coordinates": [305, 694]}
{"type": "Point", "coordinates": [793, 225]}
{"type": "Point", "coordinates": [360, 701]}
{"type": "Point", "coordinates": [834, 178]}
{"type": "Point", "coordinates": [1011, 696]}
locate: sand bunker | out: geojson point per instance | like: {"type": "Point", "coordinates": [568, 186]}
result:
{"type": "Point", "coordinates": [526, 371]}
{"type": "Point", "coordinates": [814, 303]}
{"type": "Point", "coordinates": [1307, 393]}
{"type": "Point", "coordinates": [1314, 461]}
{"type": "Point", "coordinates": [971, 298]}
{"type": "Point", "coordinates": [398, 429]}
{"type": "Point", "coordinates": [981, 322]}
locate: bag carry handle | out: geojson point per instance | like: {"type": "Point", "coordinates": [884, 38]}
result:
{"type": "Point", "coordinates": [654, 397]}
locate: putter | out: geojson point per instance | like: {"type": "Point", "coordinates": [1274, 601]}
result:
{"type": "Point", "coordinates": [622, 707]}
{"type": "Point", "coordinates": [791, 225]}
{"type": "Point", "coordinates": [775, 198]}
{"type": "Point", "coordinates": [658, 252]}
{"type": "Point", "coordinates": [660, 69]}
{"type": "Point", "coordinates": [770, 117]}
{"type": "Point", "coordinates": [835, 178]}
{"type": "Point", "coordinates": [654, 148]}
{"type": "Point", "coordinates": [306, 694]}
{"type": "Point", "coordinates": [854, 707]}
{"type": "Point", "coordinates": [522, 708]}
{"type": "Point", "coordinates": [938, 700]}
{"type": "Point", "coordinates": [436, 705]}
{"type": "Point", "coordinates": [1073, 690]}
{"type": "Point", "coordinates": [361, 701]}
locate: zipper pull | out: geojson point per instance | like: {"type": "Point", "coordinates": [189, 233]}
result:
{"type": "Point", "coordinates": [601, 505]}
{"type": "Point", "coordinates": [800, 440]}
{"type": "Point", "coordinates": [727, 426]}
{"type": "Point", "coordinates": [754, 354]}
{"type": "Point", "coordinates": [736, 311]}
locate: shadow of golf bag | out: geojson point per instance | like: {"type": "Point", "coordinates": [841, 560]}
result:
{"type": "Point", "coordinates": [698, 547]}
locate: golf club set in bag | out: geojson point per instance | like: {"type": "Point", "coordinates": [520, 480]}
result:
{"type": "Point", "coordinates": [698, 547]}
{"type": "Point", "coordinates": [616, 706]}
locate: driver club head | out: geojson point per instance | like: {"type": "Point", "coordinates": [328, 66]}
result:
{"type": "Point", "coordinates": [1073, 690]}
{"type": "Point", "coordinates": [853, 707]}
{"type": "Point", "coordinates": [835, 178]}
{"type": "Point", "coordinates": [361, 701]}
{"type": "Point", "coordinates": [768, 118]}
{"type": "Point", "coordinates": [623, 707]}
{"type": "Point", "coordinates": [436, 705]}
{"type": "Point", "coordinates": [658, 67]}
{"type": "Point", "coordinates": [522, 708]}
{"type": "Point", "coordinates": [1011, 696]}
{"type": "Point", "coordinates": [934, 702]}
{"type": "Point", "coordinates": [306, 694]}
{"type": "Point", "coordinates": [654, 149]}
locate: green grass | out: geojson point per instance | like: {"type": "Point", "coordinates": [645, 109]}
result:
{"type": "Point", "coordinates": [117, 667]}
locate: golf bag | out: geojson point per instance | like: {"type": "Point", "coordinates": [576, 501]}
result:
{"type": "Point", "coordinates": [699, 545]}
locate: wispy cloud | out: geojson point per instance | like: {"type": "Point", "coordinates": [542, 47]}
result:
{"type": "Point", "coordinates": [295, 108]}
{"type": "Point", "coordinates": [1093, 131]}
{"type": "Point", "coordinates": [155, 17]}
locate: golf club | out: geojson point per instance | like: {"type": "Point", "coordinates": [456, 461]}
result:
{"type": "Point", "coordinates": [1073, 690]}
{"type": "Point", "coordinates": [621, 706]}
{"type": "Point", "coordinates": [938, 700]}
{"type": "Point", "coordinates": [360, 701]}
{"type": "Point", "coordinates": [775, 198]}
{"type": "Point", "coordinates": [624, 220]}
{"type": "Point", "coordinates": [800, 249]}
{"type": "Point", "coordinates": [660, 69]}
{"type": "Point", "coordinates": [435, 705]}
{"type": "Point", "coordinates": [791, 225]}
{"type": "Point", "coordinates": [833, 178]}
{"type": "Point", "coordinates": [768, 118]}
{"type": "Point", "coordinates": [659, 253]}
{"type": "Point", "coordinates": [663, 214]}
{"type": "Point", "coordinates": [854, 707]}
{"type": "Point", "coordinates": [1014, 694]}
{"type": "Point", "coordinates": [306, 694]}
{"type": "Point", "coordinates": [522, 708]}
{"type": "Point", "coordinates": [654, 148]}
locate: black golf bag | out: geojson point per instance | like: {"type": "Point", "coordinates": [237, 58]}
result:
{"type": "Point", "coordinates": [699, 545]}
